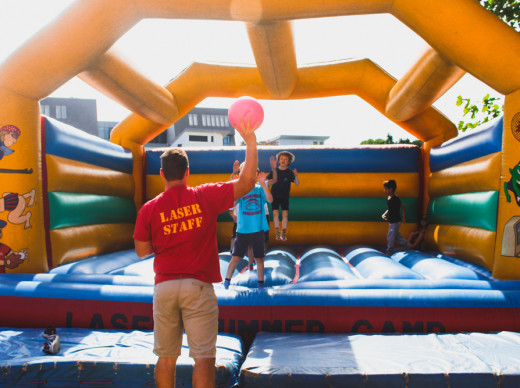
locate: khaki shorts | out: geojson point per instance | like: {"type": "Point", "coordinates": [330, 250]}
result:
{"type": "Point", "coordinates": [185, 305]}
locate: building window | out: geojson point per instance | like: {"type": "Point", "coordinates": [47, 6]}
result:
{"type": "Point", "coordinates": [193, 119]}
{"type": "Point", "coordinates": [212, 139]}
{"type": "Point", "coordinates": [198, 138]}
{"type": "Point", "coordinates": [46, 110]}
{"type": "Point", "coordinates": [227, 140]}
{"type": "Point", "coordinates": [61, 112]}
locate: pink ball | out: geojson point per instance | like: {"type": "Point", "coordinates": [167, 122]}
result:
{"type": "Point", "coordinates": [248, 110]}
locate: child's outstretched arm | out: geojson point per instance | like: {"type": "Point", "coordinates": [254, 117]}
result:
{"type": "Point", "coordinates": [296, 179]}
{"type": "Point", "coordinates": [384, 215]}
{"type": "Point", "coordinates": [236, 167]}
{"type": "Point", "coordinates": [262, 180]}
{"type": "Point", "coordinates": [274, 172]}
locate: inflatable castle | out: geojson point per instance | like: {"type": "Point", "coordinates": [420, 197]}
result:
{"type": "Point", "coordinates": [69, 200]}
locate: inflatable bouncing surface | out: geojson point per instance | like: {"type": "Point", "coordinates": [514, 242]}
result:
{"type": "Point", "coordinates": [246, 109]}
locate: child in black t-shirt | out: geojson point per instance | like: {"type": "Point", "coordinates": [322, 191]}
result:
{"type": "Point", "coordinates": [281, 191]}
{"type": "Point", "coordinates": [393, 216]}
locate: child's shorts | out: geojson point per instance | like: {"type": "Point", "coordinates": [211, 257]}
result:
{"type": "Point", "coordinates": [280, 201]}
{"type": "Point", "coordinates": [255, 240]}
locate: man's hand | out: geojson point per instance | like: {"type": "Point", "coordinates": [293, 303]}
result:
{"type": "Point", "coordinates": [245, 130]}
{"type": "Point", "coordinates": [295, 171]}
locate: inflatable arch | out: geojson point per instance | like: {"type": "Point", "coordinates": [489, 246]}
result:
{"type": "Point", "coordinates": [53, 174]}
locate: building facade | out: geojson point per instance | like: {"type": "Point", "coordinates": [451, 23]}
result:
{"type": "Point", "coordinates": [80, 113]}
{"type": "Point", "coordinates": [201, 127]}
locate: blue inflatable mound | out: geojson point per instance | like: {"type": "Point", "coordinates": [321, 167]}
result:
{"type": "Point", "coordinates": [372, 264]}
{"type": "Point", "coordinates": [323, 263]}
{"type": "Point", "coordinates": [279, 269]}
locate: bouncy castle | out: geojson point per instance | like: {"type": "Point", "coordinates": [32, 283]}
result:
{"type": "Point", "coordinates": [69, 200]}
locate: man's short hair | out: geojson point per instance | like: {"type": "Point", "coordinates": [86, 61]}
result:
{"type": "Point", "coordinates": [390, 184]}
{"type": "Point", "coordinates": [285, 153]}
{"type": "Point", "coordinates": [174, 163]}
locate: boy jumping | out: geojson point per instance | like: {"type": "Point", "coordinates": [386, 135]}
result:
{"type": "Point", "coordinates": [281, 191]}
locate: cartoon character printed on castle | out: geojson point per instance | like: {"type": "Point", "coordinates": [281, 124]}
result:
{"type": "Point", "coordinates": [9, 258]}
{"type": "Point", "coordinates": [514, 184]}
{"type": "Point", "coordinates": [9, 135]}
{"type": "Point", "coordinates": [16, 204]}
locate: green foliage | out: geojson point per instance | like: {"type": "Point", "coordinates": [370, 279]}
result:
{"type": "Point", "coordinates": [507, 10]}
{"type": "Point", "coordinates": [489, 110]}
{"type": "Point", "coordinates": [390, 140]}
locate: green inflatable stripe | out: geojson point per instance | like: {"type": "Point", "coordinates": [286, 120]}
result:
{"type": "Point", "coordinates": [340, 209]}
{"type": "Point", "coordinates": [476, 210]}
{"type": "Point", "coordinates": [75, 209]}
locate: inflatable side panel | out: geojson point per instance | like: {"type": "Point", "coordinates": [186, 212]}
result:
{"type": "Point", "coordinates": [475, 210]}
{"type": "Point", "coordinates": [315, 184]}
{"type": "Point", "coordinates": [471, 146]}
{"type": "Point", "coordinates": [66, 175]}
{"type": "Point", "coordinates": [79, 242]}
{"type": "Point", "coordinates": [310, 159]}
{"type": "Point", "coordinates": [463, 168]}
{"type": "Point", "coordinates": [507, 252]}
{"type": "Point", "coordinates": [98, 200]}
{"type": "Point", "coordinates": [338, 186]}
{"type": "Point", "coordinates": [21, 185]}
{"type": "Point", "coordinates": [470, 244]}
{"type": "Point", "coordinates": [469, 177]}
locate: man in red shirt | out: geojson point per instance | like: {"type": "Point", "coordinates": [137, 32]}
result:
{"type": "Point", "coordinates": [179, 227]}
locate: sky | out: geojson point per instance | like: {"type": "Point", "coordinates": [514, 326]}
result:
{"type": "Point", "coordinates": [160, 49]}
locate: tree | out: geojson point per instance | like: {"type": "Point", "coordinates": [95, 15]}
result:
{"type": "Point", "coordinates": [509, 12]}
{"type": "Point", "coordinates": [490, 110]}
{"type": "Point", "coordinates": [390, 140]}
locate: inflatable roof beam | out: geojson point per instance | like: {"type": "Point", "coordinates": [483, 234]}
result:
{"type": "Point", "coordinates": [469, 36]}
{"type": "Point", "coordinates": [198, 81]}
{"type": "Point", "coordinates": [368, 81]}
{"type": "Point", "coordinates": [63, 49]}
{"type": "Point", "coordinates": [273, 48]}
{"type": "Point", "coordinates": [421, 86]}
{"type": "Point", "coordinates": [258, 10]}
{"type": "Point", "coordinates": [362, 78]}
{"type": "Point", "coordinates": [115, 79]}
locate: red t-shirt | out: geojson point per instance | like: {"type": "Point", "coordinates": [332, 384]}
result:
{"type": "Point", "coordinates": [181, 223]}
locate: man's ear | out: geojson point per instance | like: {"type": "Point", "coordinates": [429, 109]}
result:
{"type": "Point", "coordinates": [162, 173]}
{"type": "Point", "coordinates": [187, 172]}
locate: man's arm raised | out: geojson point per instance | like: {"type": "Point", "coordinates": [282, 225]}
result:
{"type": "Point", "coordinates": [247, 178]}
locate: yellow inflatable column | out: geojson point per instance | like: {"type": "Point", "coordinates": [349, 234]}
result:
{"type": "Point", "coordinates": [507, 246]}
{"type": "Point", "coordinates": [22, 219]}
